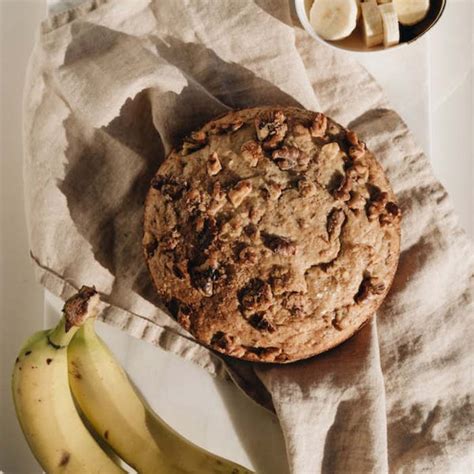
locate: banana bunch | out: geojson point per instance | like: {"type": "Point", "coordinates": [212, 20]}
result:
{"type": "Point", "coordinates": [70, 365]}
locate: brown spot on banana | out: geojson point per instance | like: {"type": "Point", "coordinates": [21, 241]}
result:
{"type": "Point", "coordinates": [65, 457]}
{"type": "Point", "coordinates": [75, 370]}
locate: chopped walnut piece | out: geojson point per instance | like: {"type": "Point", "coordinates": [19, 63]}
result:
{"type": "Point", "coordinates": [262, 353]}
{"type": "Point", "coordinates": [275, 140]}
{"type": "Point", "coordinates": [236, 125]}
{"type": "Point", "coordinates": [231, 229]}
{"type": "Point", "coordinates": [273, 190]}
{"type": "Point", "coordinates": [356, 152]}
{"type": "Point", "coordinates": [213, 164]}
{"type": "Point", "coordinates": [192, 196]}
{"type": "Point", "coordinates": [352, 137]}
{"type": "Point", "coordinates": [357, 201]}
{"type": "Point", "coordinates": [215, 206]}
{"type": "Point", "coordinates": [251, 231]}
{"type": "Point", "coordinates": [370, 286]}
{"type": "Point", "coordinates": [192, 199]}
{"type": "Point", "coordinates": [282, 357]}
{"type": "Point", "coordinates": [342, 192]}
{"type": "Point", "coordinates": [306, 187]}
{"type": "Point", "coordinates": [218, 199]}
{"type": "Point", "coordinates": [263, 126]}
{"type": "Point", "coordinates": [200, 136]}
{"type": "Point", "coordinates": [271, 128]}
{"type": "Point", "coordinates": [360, 167]}
{"type": "Point", "coordinates": [226, 343]}
{"type": "Point", "coordinates": [222, 340]}
{"type": "Point", "coordinates": [233, 126]}
{"type": "Point", "coordinates": [239, 192]}
{"type": "Point", "coordinates": [170, 241]}
{"type": "Point", "coordinates": [170, 187]}
{"type": "Point", "coordinates": [260, 322]}
{"type": "Point", "coordinates": [285, 164]}
{"type": "Point", "coordinates": [303, 160]}
{"type": "Point", "coordinates": [251, 152]}
{"type": "Point", "coordinates": [300, 137]}
{"type": "Point", "coordinates": [391, 214]}
{"type": "Point", "coordinates": [222, 127]}
{"type": "Point", "coordinates": [287, 157]}
{"type": "Point", "coordinates": [236, 351]}
{"type": "Point", "coordinates": [204, 276]}
{"type": "Point", "coordinates": [278, 244]}
{"type": "Point", "coordinates": [248, 255]}
{"type": "Point", "coordinates": [184, 316]}
{"type": "Point", "coordinates": [196, 141]}
{"type": "Point", "coordinates": [299, 130]}
{"type": "Point", "coordinates": [215, 129]}
{"type": "Point", "coordinates": [319, 126]}
{"type": "Point", "coordinates": [358, 170]}
{"type": "Point", "coordinates": [217, 192]}
{"type": "Point", "coordinates": [204, 285]}
{"type": "Point", "coordinates": [189, 147]}
{"type": "Point", "coordinates": [362, 171]}
{"type": "Point", "coordinates": [267, 123]}
{"type": "Point", "coordinates": [334, 222]}
{"type": "Point", "coordinates": [333, 129]}
{"type": "Point", "coordinates": [377, 205]}
{"type": "Point", "coordinates": [256, 296]}
{"type": "Point", "coordinates": [281, 279]}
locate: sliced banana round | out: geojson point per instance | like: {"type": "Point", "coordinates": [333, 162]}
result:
{"type": "Point", "coordinates": [391, 29]}
{"type": "Point", "coordinates": [411, 12]}
{"type": "Point", "coordinates": [333, 19]}
{"type": "Point", "coordinates": [372, 23]}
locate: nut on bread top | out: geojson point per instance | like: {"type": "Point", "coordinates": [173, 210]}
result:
{"type": "Point", "coordinates": [272, 234]}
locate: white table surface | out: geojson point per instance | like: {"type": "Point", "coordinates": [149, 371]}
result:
{"type": "Point", "coordinates": [429, 83]}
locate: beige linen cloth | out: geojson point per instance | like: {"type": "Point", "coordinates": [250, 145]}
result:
{"type": "Point", "coordinates": [112, 86]}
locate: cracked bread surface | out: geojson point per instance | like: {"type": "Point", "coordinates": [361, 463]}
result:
{"type": "Point", "coordinates": [272, 234]}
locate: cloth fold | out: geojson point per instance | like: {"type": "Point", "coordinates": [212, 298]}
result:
{"type": "Point", "coordinates": [113, 86]}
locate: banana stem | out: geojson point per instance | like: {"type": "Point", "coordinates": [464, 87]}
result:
{"type": "Point", "coordinates": [76, 311]}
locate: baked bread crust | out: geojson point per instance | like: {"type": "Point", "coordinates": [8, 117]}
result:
{"type": "Point", "coordinates": [272, 234]}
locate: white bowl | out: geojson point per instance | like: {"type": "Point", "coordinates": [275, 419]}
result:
{"type": "Point", "coordinates": [355, 42]}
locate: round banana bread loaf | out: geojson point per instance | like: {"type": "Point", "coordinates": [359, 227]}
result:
{"type": "Point", "coordinates": [272, 234]}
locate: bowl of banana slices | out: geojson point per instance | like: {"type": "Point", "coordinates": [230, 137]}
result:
{"type": "Point", "coordinates": [368, 25]}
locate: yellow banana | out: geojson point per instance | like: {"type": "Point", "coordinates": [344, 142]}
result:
{"type": "Point", "coordinates": [118, 413]}
{"type": "Point", "coordinates": [43, 401]}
